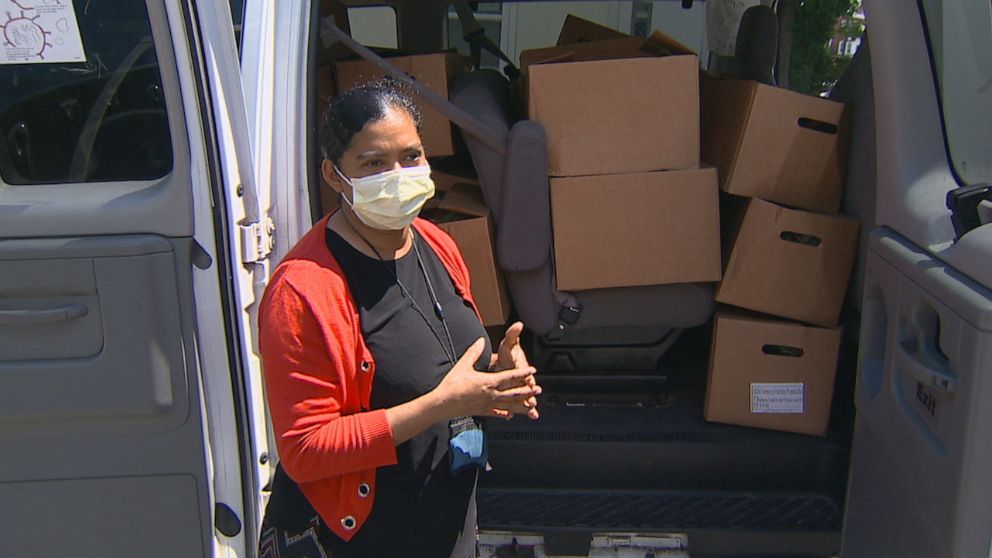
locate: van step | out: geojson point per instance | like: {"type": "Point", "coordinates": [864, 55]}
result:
{"type": "Point", "coordinates": [613, 510]}
{"type": "Point", "coordinates": [659, 449]}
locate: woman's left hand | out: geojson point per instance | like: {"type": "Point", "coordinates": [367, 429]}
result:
{"type": "Point", "coordinates": [510, 354]}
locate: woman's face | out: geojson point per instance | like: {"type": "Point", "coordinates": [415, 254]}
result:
{"type": "Point", "coordinates": [382, 145]}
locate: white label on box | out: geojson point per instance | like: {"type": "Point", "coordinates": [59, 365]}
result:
{"type": "Point", "coordinates": [778, 398]}
{"type": "Point", "coordinates": [39, 32]}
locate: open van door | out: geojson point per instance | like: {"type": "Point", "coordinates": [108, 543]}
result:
{"type": "Point", "coordinates": [128, 230]}
{"type": "Point", "coordinates": [922, 448]}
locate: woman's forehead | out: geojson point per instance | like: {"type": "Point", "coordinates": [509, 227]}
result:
{"type": "Point", "coordinates": [395, 131]}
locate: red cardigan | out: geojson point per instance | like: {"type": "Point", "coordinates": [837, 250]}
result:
{"type": "Point", "coordinates": [318, 375]}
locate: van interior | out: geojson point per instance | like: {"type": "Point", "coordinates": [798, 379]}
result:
{"type": "Point", "coordinates": [157, 161]}
{"type": "Point", "coordinates": [622, 445]}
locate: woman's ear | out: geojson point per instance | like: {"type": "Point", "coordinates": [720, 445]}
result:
{"type": "Point", "coordinates": [331, 177]}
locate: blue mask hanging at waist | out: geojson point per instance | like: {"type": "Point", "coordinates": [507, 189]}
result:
{"type": "Point", "coordinates": [466, 444]}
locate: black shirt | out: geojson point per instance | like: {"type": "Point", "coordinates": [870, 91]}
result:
{"type": "Point", "coordinates": [420, 508]}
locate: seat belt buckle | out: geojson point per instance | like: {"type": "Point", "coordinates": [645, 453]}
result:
{"type": "Point", "coordinates": [568, 315]}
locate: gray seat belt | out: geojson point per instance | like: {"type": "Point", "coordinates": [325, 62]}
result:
{"type": "Point", "coordinates": [476, 37]}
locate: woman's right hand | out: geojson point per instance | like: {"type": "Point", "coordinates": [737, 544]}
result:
{"type": "Point", "coordinates": [465, 391]}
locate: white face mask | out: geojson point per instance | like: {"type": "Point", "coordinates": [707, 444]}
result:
{"type": "Point", "coordinates": [390, 200]}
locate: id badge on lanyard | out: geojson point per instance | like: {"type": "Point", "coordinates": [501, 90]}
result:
{"type": "Point", "coordinates": [466, 444]}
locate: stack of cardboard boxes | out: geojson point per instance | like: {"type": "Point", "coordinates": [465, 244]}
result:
{"type": "Point", "coordinates": [629, 204]}
{"type": "Point", "coordinates": [632, 205]}
{"type": "Point", "coordinates": [787, 254]}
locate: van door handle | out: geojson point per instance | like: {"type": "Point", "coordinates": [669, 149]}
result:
{"type": "Point", "coordinates": [927, 375]}
{"type": "Point", "coordinates": [62, 313]}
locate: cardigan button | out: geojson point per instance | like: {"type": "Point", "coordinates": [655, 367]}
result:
{"type": "Point", "coordinates": [364, 489]}
{"type": "Point", "coordinates": [366, 366]}
{"type": "Point", "coordinates": [348, 522]}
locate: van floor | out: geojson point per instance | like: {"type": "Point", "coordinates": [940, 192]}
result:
{"type": "Point", "coordinates": [616, 452]}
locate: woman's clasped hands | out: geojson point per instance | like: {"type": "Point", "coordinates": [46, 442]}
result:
{"type": "Point", "coordinates": [508, 390]}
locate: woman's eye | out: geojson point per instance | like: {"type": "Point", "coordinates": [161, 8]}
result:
{"type": "Point", "coordinates": [413, 157]}
{"type": "Point", "coordinates": [373, 163]}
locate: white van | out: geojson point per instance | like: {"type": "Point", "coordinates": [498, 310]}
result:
{"type": "Point", "coordinates": [157, 158]}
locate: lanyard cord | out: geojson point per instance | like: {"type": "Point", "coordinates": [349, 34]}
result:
{"type": "Point", "coordinates": [438, 310]}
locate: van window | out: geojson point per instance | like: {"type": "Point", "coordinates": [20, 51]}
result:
{"type": "Point", "coordinates": [518, 26]}
{"type": "Point", "coordinates": [374, 26]}
{"type": "Point", "coordinates": [81, 95]}
{"type": "Point", "coordinates": [961, 45]}
{"type": "Point", "coordinates": [825, 37]}
{"type": "Point", "coordinates": [237, 19]}
{"type": "Point", "coordinates": [489, 15]}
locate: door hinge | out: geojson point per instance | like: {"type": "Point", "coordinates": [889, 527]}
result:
{"type": "Point", "coordinates": [257, 241]}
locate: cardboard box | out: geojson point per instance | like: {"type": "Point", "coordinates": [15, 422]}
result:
{"type": "Point", "coordinates": [771, 374]}
{"type": "Point", "coordinates": [448, 174]}
{"type": "Point", "coordinates": [615, 116]}
{"type": "Point", "coordinates": [775, 144]}
{"type": "Point", "coordinates": [433, 70]}
{"type": "Point", "coordinates": [466, 219]}
{"type": "Point", "coordinates": [464, 199]}
{"type": "Point", "coordinates": [635, 229]}
{"type": "Point", "coordinates": [579, 30]}
{"type": "Point", "coordinates": [610, 49]}
{"type": "Point", "coordinates": [584, 41]}
{"type": "Point", "coordinates": [789, 263]}
{"type": "Point", "coordinates": [624, 117]}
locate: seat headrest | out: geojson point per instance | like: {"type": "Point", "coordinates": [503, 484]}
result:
{"type": "Point", "coordinates": [485, 94]}
{"type": "Point", "coordinates": [756, 49]}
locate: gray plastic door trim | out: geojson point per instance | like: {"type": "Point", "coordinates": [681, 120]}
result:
{"type": "Point", "coordinates": [100, 411]}
{"type": "Point", "coordinates": [922, 447]}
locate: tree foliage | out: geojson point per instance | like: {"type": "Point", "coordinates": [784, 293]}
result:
{"type": "Point", "coordinates": [814, 66]}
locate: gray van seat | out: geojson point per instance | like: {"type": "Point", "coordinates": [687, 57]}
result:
{"type": "Point", "coordinates": [515, 187]}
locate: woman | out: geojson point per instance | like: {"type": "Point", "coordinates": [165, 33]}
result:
{"type": "Point", "coordinates": [375, 358]}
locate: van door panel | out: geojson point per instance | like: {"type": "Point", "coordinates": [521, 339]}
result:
{"type": "Point", "coordinates": [101, 405]}
{"type": "Point", "coordinates": [971, 255]}
{"type": "Point", "coordinates": [122, 359]}
{"type": "Point", "coordinates": [102, 517]}
{"type": "Point", "coordinates": [108, 446]}
{"type": "Point", "coordinates": [923, 436]}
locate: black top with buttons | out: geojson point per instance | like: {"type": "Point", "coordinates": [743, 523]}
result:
{"type": "Point", "coordinates": [420, 508]}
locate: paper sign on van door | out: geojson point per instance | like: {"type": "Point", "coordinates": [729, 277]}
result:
{"type": "Point", "coordinates": [39, 32]}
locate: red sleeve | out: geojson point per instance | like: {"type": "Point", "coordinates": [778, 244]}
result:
{"type": "Point", "coordinates": [303, 358]}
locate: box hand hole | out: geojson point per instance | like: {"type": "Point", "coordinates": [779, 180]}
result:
{"type": "Point", "coordinates": [800, 238]}
{"type": "Point", "coordinates": [782, 350]}
{"type": "Point", "coordinates": [817, 125]}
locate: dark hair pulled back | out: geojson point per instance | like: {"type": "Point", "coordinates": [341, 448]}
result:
{"type": "Point", "coordinates": [349, 113]}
